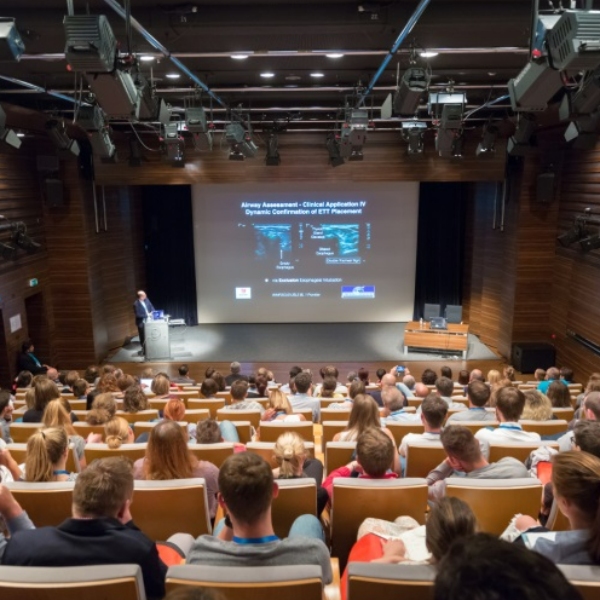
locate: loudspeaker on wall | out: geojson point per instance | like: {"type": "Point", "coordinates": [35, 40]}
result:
{"type": "Point", "coordinates": [55, 196]}
{"type": "Point", "coordinates": [545, 188]}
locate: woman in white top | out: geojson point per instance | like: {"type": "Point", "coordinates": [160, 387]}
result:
{"type": "Point", "coordinates": [280, 409]}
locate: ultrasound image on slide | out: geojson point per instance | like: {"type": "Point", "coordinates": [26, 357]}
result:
{"type": "Point", "coordinates": [347, 237]}
{"type": "Point", "coordinates": [273, 242]}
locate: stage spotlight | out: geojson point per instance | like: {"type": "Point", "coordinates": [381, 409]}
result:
{"type": "Point", "coordinates": [518, 144]}
{"type": "Point", "coordinates": [590, 243]}
{"type": "Point", "coordinates": [413, 85]}
{"type": "Point", "coordinates": [11, 44]}
{"type": "Point", "coordinates": [57, 132]}
{"type": "Point", "coordinates": [173, 144]}
{"type": "Point", "coordinates": [447, 107]}
{"type": "Point", "coordinates": [587, 99]}
{"type": "Point", "coordinates": [354, 134]}
{"type": "Point", "coordinates": [448, 142]}
{"type": "Point", "coordinates": [335, 158]}
{"type": "Point", "coordinates": [196, 123]}
{"type": "Point", "coordinates": [7, 251]}
{"type": "Point", "coordinates": [241, 143]}
{"type": "Point", "coordinates": [412, 133]}
{"type": "Point", "coordinates": [576, 233]}
{"type": "Point", "coordinates": [116, 93]}
{"type": "Point", "coordinates": [91, 118]}
{"type": "Point", "coordinates": [8, 136]}
{"type": "Point", "coordinates": [574, 41]}
{"type": "Point", "coordinates": [534, 86]}
{"type": "Point", "coordinates": [488, 140]}
{"type": "Point", "coordinates": [91, 46]}
{"type": "Point", "coordinates": [272, 159]}
{"type": "Point", "coordinates": [102, 145]}
{"type": "Point", "coordinates": [22, 240]}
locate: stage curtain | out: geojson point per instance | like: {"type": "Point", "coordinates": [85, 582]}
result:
{"type": "Point", "coordinates": [169, 250]}
{"type": "Point", "coordinates": [440, 245]}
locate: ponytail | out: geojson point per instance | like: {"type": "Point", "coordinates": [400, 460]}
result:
{"type": "Point", "coordinates": [44, 450]}
{"type": "Point", "coordinates": [116, 432]}
{"type": "Point", "coordinates": [290, 454]}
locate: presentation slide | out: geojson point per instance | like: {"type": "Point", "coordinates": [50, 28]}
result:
{"type": "Point", "coordinates": [284, 253]}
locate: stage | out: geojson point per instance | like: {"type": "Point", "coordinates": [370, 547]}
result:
{"type": "Point", "coordinates": [297, 343]}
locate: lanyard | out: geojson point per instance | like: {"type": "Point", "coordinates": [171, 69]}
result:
{"type": "Point", "coordinates": [514, 427]}
{"type": "Point", "coordinates": [260, 540]}
{"type": "Point", "coordinates": [60, 472]}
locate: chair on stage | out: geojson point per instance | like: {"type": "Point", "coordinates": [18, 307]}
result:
{"type": "Point", "coordinates": [431, 311]}
{"type": "Point", "coordinates": [453, 313]}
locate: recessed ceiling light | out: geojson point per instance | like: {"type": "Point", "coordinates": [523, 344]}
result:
{"type": "Point", "coordinates": [173, 75]}
{"type": "Point", "coordinates": [239, 56]}
{"type": "Point", "coordinates": [267, 74]}
{"type": "Point", "coordinates": [20, 134]}
{"type": "Point", "coordinates": [317, 75]}
{"type": "Point", "coordinates": [427, 54]}
{"type": "Point", "coordinates": [334, 55]}
{"type": "Point", "coordinates": [146, 58]}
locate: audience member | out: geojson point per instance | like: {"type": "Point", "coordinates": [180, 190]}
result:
{"type": "Point", "coordinates": [446, 371]}
{"type": "Point", "coordinates": [464, 456]}
{"type": "Point", "coordinates": [81, 389]}
{"type": "Point", "coordinates": [363, 375]}
{"type": "Point", "coordinates": [239, 399]}
{"type": "Point", "coordinates": [493, 377]}
{"type": "Point", "coordinates": [103, 409]}
{"type": "Point", "coordinates": [463, 378]}
{"type": "Point", "coordinates": [433, 413]}
{"type": "Point", "coordinates": [589, 411]}
{"type": "Point", "coordinates": [106, 384]}
{"type": "Point", "coordinates": [209, 388]}
{"type": "Point", "coordinates": [46, 458]}
{"type": "Point", "coordinates": [482, 567]}
{"type": "Point", "coordinates": [134, 400]}
{"type": "Point", "coordinates": [478, 394]}
{"type": "Point", "coordinates": [169, 457]}
{"type": "Point", "coordinates": [295, 370]}
{"type": "Point", "coordinates": [55, 415]}
{"type": "Point", "coordinates": [444, 388]}
{"type": "Point", "coordinates": [100, 532]}
{"type": "Point", "coordinates": [28, 361]}
{"type": "Point", "coordinates": [6, 414]}
{"type": "Point", "coordinates": [302, 397]}
{"type": "Point", "coordinates": [182, 376]}
{"type": "Point", "coordinates": [509, 408]}
{"type": "Point", "coordinates": [566, 375]}
{"type": "Point", "coordinates": [393, 407]}
{"type": "Point", "coordinates": [220, 381]}
{"type": "Point", "coordinates": [539, 375]}
{"type": "Point", "coordinates": [117, 432]}
{"type": "Point", "coordinates": [476, 375]}
{"type": "Point", "coordinates": [246, 537]}
{"type": "Point", "coordinates": [91, 374]}
{"type": "Point", "coordinates": [537, 406]}
{"type": "Point", "coordinates": [161, 387]}
{"type": "Point", "coordinates": [410, 382]}
{"type": "Point", "coordinates": [428, 377]}
{"type": "Point", "coordinates": [45, 391]}
{"type": "Point", "coordinates": [280, 409]}
{"type": "Point", "coordinates": [24, 379]}
{"type": "Point", "coordinates": [509, 373]}
{"type": "Point", "coordinates": [328, 389]}
{"type": "Point", "coordinates": [421, 390]}
{"type": "Point", "coordinates": [559, 395]}
{"type": "Point", "coordinates": [235, 374]}
{"type": "Point", "coordinates": [552, 374]}
{"type": "Point", "coordinates": [208, 432]}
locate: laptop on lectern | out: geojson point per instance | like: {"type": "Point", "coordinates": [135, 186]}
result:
{"type": "Point", "coordinates": [438, 323]}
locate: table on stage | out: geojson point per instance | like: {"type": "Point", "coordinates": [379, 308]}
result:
{"type": "Point", "coordinates": [453, 339]}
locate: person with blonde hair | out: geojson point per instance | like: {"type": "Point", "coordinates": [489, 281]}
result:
{"type": "Point", "coordinates": [508, 373]}
{"type": "Point", "coordinates": [493, 376]}
{"type": "Point", "coordinates": [45, 390]}
{"type": "Point", "coordinates": [294, 462]}
{"type": "Point", "coordinates": [280, 409]}
{"type": "Point", "coordinates": [576, 483]}
{"type": "Point", "coordinates": [117, 432]}
{"type": "Point", "coordinates": [103, 409]}
{"type": "Point", "coordinates": [56, 415]}
{"type": "Point", "coordinates": [537, 406]}
{"type": "Point", "coordinates": [169, 457]}
{"type": "Point", "coordinates": [46, 458]}
{"type": "Point", "coordinates": [161, 386]}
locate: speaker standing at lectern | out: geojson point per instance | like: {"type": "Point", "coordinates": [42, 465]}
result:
{"type": "Point", "coordinates": [143, 309]}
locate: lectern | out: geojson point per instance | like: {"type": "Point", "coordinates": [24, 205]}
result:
{"type": "Point", "coordinates": [157, 339]}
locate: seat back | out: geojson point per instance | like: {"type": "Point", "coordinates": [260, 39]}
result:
{"type": "Point", "coordinates": [78, 404]}
{"type": "Point", "coordinates": [19, 452]}
{"type": "Point", "coordinates": [496, 501]}
{"type": "Point", "coordinates": [551, 427]}
{"type": "Point", "coordinates": [325, 402]}
{"type": "Point", "coordinates": [453, 313]}
{"type": "Point", "coordinates": [586, 578]}
{"type": "Point", "coordinates": [390, 582]}
{"type": "Point", "coordinates": [338, 454]}
{"type": "Point", "coordinates": [336, 414]}
{"type": "Point", "coordinates": [414, 402]}
{"type": "Point", "coordinates": [47, 503]}
{"type": "Point", "coordinates": [399, 429]}
{"type": "Point", "coordinates": [356, 499]}
{"type": "Point", "coordinates": [305, 412]}
{"type": "Point", "coordinates": [565, 414]}
{"type": "Point", "coordinates": [227, 414]}
{"type": "Point", "coordinates": [21, 432]}
{"type": "Point", "coordinates": [131, 451]}
{"type": "Point", "coordinates": [296, 497]}
{"type": "Point", "coordinates": [430, 311]}
{"type": "Point", "coordinates": [124, 582]}
{"type": "Point", "coordinates": [141, 415]}
{"type": "Point", "coordinates": [475, 426]}
{"type": "Point", "coordinates": [270, 431]}
{"type": "Point", "coordinates": [162, 508]}
{"type": "Point", "coordinates": [518, 450]}
{"type": "Point", "coordinates": [212, 404]}
{"type": "Point", "coordinates": [84, 429]}
{"type": "Point", "coordinates": [422, 458]}
{"type": "Point", "coordinates": [294, 582]}
{"type": "Point", "coordinates": [214, 453]}
{"type": "Point", "coordinates": [330, 429]}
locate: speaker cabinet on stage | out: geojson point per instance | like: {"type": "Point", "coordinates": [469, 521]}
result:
{"type": "Point", "coordinates": [527, 357]}
{"type": "Point", "coordinates": [157, 340]}
{"type": "Point", "coordinates": [545, 188]}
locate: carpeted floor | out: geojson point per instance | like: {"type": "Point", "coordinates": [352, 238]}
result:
{"type": "Point", "coordinates": [302, 342]}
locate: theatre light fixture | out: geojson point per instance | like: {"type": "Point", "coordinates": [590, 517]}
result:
{"type": "Point", "coordinates": [91, 46]}
{"type": "Point", "coordinates": [590, 243]}
{"type": "Point", "coordinates": [354, 134]}
{"type": "Point", "coordinates": [519, 142]}
{"type": "Point", "coordinates": [7, 251]}
{"type": "Point", "coordinates": [11, 44]}
{"type": "Point", "coordinates": [57, 132]}
{"type": "Point", "coordinates": [447, 109]}
{"type": "Point", "coordinates": [333, 148]}
{"type": "Point", "coordinates": [581, 232]}
{"type": "Point", "coordinates": [173, 144]}
{"type": "Point", "coordinates": [240, 141]}
{"type": "Point", "coordinates": [413, 133]}
{"type": "Point", "coordinates": [8, 136]}
{"type": "Point", "coordinates": [488, 140]}
{"type": "Point", "coordinates": [196, 123]}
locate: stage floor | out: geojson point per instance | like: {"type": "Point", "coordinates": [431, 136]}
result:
{"type": "Point", "coordinates": [296, 342]}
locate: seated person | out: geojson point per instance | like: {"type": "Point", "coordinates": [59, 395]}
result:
{"type": "Point", "coordinates": [478, 394]}
{"type": "Point", "coordinates": [280, 409]}
{"type": "Point", "coordinates": [444, 388]}
{"type": "Point", "coordinates": [433, 412]}
{"type": "Point", "coordinates": [393, 407]}
{"type": "Point", "coordinates": [209, 431]}
{"type": "Point", "coordinates": [239, 398]}
{"type": "Point", "coordinates": [374, 459]}
{"type": "Point", "coordinates": [464, 456]}
{"type": "Point", "coordinates": [590, 412]}
{"type": "Point", "coordinates": [302, 397]}
{"type": "Point", "coordinates": [356, 387]}
{"type": "Point", "coordinates": [100, 532]}
{"type": "Point", "coordinates": [245, 537]}
{"type": "Point", "coordinates": [509, 407]}
{"type": "Point", "coordinates": [81, 388]}
{"type": "Point", "coordinates": [6, 411]}
{"type": "Point", "coordinates": [537, 407]}
{"type": "Point", "coordinates": [329, 372]}
{"type": "Point", "coordinates": [328, 389]}
{"type": "Point", "coordinates": [483, 567]}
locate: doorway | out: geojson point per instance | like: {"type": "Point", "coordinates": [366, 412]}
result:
{"type": "Point", "coordinates": [37, 326]}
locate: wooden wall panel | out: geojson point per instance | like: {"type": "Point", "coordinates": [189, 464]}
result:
{"type": "Point", "coordinates": [304, 157]}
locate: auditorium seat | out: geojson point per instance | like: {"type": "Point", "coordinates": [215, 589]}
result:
{"type": "Point", "coordinates": [78, 404]}
{"type": "Point", "coordinates": [270, 431]}
{"type": "Point", "coordinates": [415, 402]}
{"type": "Point", "coordinates": [227, 414]}
{"type": "Point", "coordinates": [338, 454]}
{"type": "Point", "coordinates": [212, 404]}
{"type": "Point", "coordinates": [496, 501]}
{"type": "Point", "coordinates": [325, 402]}
{"type": "Point", "coordinates": [422, 458]}
{"type": "Point", "coordinates": [225, 395]}
{"type": "Point", "coordinates": [294, 582]}
{"type": "Point", "coordinates": [551, 427]}
{"type": "Point", "coordinates": [355, 499]}
{"type": "Point", "coordinates": [140, 415]}
{"type": "Point", "coordinates": [566, 414]}
{"type": "Point", "coordinates": [390, 582]}
{"type": "Point", "coordinates": [305, 412]}
{"type": "Point", "coordinates": [19, 451]}
{"type": "Point", "coordinates": [330, 428]}
{"type": "Point", "coordinates": [244, 431]}
{"type": "Point", "coordinates": [131, 451]}
{"type": "Point", "coordinates": [296, 497]}
{"type": "Point", "coordinates": [84, 429]}
{"type": "Point", "coordinates": [214, 453]}
{"type": "Point", "coordinates": [122, 582]}
{"type": "Point", "coordinates": [518, 450]}
{"type": "Point", "coordinates": [80, 413]}
{"type": "Point", "coordinates": [21, 432]}
{"type": "Point", "coordinates": [336, 414]}
{"type": "Point", "coordinates": [586, 578]}
{"type": "Point", "coordinates": [399, 429]}
{"type": "Point", "coordinates": [47, 503]}
{"type": "Point", "coordinates": [193, 415]}
{"type": "Point", "coordinates": [186, 395]}
{"type": "Point", "coordinates": [162, 508]}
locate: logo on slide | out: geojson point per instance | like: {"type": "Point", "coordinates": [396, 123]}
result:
{"type": "Point", "coordinates": [358, 291]}
{"type": "Point", "coordinates": [243, 293]}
